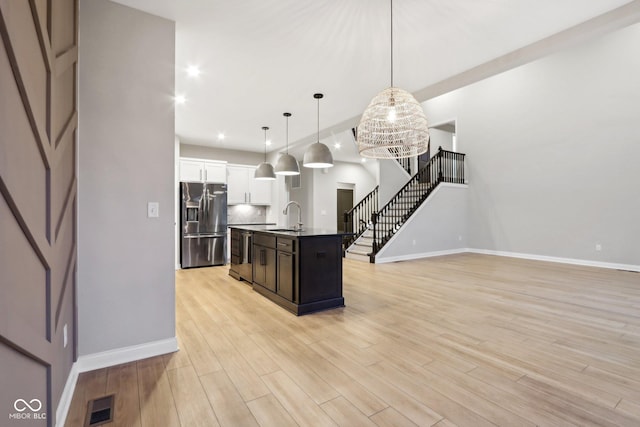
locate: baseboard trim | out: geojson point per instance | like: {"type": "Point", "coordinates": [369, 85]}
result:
{"type": "Point", "coordinates": [108, 358]}
{"type": "Point", "coordinates": [410, 257]}
{"type": "Point", "coordinates": [573, 261]}
{"type": "Point", "coordinates": [67, 394]}
{"type": "Point", "coordinates": [105, 359]}
{"type": "Point", "coordinates": [533, 257]}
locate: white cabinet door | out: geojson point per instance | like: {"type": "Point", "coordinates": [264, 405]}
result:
{"type": "Point", "coordinates": [191, 170]}
{"type": "Point", "coordinates": [237, 185]}
{"type": "Point", "coordinates": [243, 188]}
{"type": "Point", "coordinates": [215, 172]}
{"type": "Point", "coordinates": [260, 192]}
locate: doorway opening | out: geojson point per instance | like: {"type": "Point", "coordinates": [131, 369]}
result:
{"type": "Point", "coordinates": [344, 203]}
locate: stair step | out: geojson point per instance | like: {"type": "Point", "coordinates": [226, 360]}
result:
{"type": "Point", "coordinates": [357, 257]}
{"type": "Point", "coordinates": [361, 248]}
{"type": "Point", "coordinates": [359, 251]}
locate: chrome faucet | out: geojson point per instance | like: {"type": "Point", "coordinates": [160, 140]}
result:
{"type": "Point", "coordinates": [285, 211]}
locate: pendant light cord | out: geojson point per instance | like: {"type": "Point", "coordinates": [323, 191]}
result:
{"type": "Point", "coordinates": [265, 143]}
{"type": "Point", "coordinates": [318, 119]}
{"type": "Point", "coordinates": [287, 134]}
{"type": "Point", "coordinates": [391, 43]}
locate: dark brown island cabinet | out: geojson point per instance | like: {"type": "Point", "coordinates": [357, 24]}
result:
{"type": "Point", "coordinates": [299, 270]}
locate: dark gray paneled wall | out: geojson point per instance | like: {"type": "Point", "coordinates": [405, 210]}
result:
{"type": "Point", "coordinates": [38, 122]}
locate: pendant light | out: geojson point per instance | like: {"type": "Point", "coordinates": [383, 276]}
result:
{"type": "Point", "coordinates": [318, 155]}
{"type": "Point", "coordinates": [287, 164]}
{"type": "Point", "coordinates": [394, 124]}
{"type": "Point", "coordinates": [264, 171]}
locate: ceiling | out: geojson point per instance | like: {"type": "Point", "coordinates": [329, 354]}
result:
{"type": "Point", "coordinates": [260, 58]}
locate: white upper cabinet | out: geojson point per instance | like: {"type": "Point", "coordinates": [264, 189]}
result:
{"type": "Point", "coordinates": [202, 170]}
{"type": "Point", "coordinates": [215, 172]}
{"type": "Point", "coordinates": [243, 188]}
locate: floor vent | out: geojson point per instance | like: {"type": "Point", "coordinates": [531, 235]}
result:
{"type": "Point", "coordinates": [99, 411]}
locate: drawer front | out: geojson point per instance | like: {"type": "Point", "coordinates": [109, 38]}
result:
{"type": "Point", "coordinates": [286, 245]}
{"type": "Point", "coordinates": [264, 240]}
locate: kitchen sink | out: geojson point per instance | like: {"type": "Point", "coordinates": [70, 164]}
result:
{"type": "Point", "coordinates": [283, 229]}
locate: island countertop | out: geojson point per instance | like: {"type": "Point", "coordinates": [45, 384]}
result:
{"type": "Point", "coordinates": [287, 231]}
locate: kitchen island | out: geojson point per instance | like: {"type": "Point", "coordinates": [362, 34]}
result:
{"type": "Point", "coordinates": [299, 270]}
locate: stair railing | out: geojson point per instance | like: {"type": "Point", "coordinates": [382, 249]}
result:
{"type": "Point", "coordinates": [356, 219]}
{"type": "Point", "coordinates": [445, 166]}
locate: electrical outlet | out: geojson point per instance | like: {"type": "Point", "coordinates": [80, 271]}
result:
{"type": "Point", "coordinates": [598, 247]}
{"type": "Point", "coordinates": [65, 338]}
{"type": "Point", "coordinates": [153, 210]}
{"type": "Point", "coordinates": [414, 242]}
{"type": "Point", "coordinates": [460, 238]}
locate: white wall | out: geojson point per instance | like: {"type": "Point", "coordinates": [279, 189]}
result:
{"type": "Point", "coordinates": [392, 178]}
{"type": "Point", "coordinates": [440, 138]}
{"type": "Point", "coordinates": [126, 159]}
{"type": "Point", "coordinates": [438, 226]}
{"type": "Point", "coordinates": [552, 150]}
{"type": "Point", "coordinates": [325, 187]}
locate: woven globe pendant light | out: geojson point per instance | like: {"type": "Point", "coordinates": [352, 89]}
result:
{"type": "Point", "coordinates": [318, 155]}
{"type": "Point", "coordinates": [394, 124]}
{"type": "Point", "coordinates": [287, 164]}
{"type": "Point", "coordinates": [264, 171]}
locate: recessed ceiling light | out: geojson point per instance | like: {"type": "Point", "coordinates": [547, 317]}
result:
{"type": "Point", "coordinates": [180, 99]}
{"type": "Point", "coordinates": [220, 136]}
{"type": "Point", "coordinates": [363, 160]}
{"type": "Point", "coordinates": [267, 142]}
{"type": "Point", "coordinates": [193, 71]}
{"type": "Point", "coordinates": [336, 145]}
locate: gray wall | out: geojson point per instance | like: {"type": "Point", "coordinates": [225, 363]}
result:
{"type": "Point", "coordinates": [126, 159]}
{"type": "Point", "coordinates": [439, 225]}
{"type": "Point", "coordinates": [212, 153]}
{"type": "Point", "coordinates": [552, 150]}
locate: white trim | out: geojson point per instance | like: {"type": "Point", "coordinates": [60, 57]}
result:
{"type": "Point", "coordinates": [410, 257]}
{"type": "Point", "coordinates": [108, 358]}
{"type": "Point", "coordinates": [105, 359]}
{"type": "Point", "coordinates": [533, 257]}
{"type": "Point", "coordinates": [574, 261]}
{"type": "Point", "coordinates": [67, 395]}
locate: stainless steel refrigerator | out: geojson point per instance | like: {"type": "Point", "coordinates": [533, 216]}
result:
{"type": "Point", "coordinates": [204, 224]}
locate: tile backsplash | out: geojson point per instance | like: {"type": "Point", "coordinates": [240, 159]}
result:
{"type": "Point", "coordinates": [246, 214]}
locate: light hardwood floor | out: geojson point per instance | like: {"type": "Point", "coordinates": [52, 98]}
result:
{"type": "Point", "coordinates": [467, 340]}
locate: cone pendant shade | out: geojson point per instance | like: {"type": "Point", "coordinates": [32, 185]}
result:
{"type": "Point", "coordinates": [287, 164]}
{"type": "Point", "coordinates": [264, 171]}
{"type": "Point", "coordinates": [318, 155]}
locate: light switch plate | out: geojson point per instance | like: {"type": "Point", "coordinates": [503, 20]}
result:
{"type": "Point", "coordinates": [153, 210]}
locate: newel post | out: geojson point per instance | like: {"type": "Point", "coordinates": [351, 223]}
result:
{"type": "Point", "coordinates": [440, 164]}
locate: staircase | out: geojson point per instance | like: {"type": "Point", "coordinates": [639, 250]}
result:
{"type": "Point", "coordinates": [445, 166]}
{"type": "Point", "coordinates": [361, 248]}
